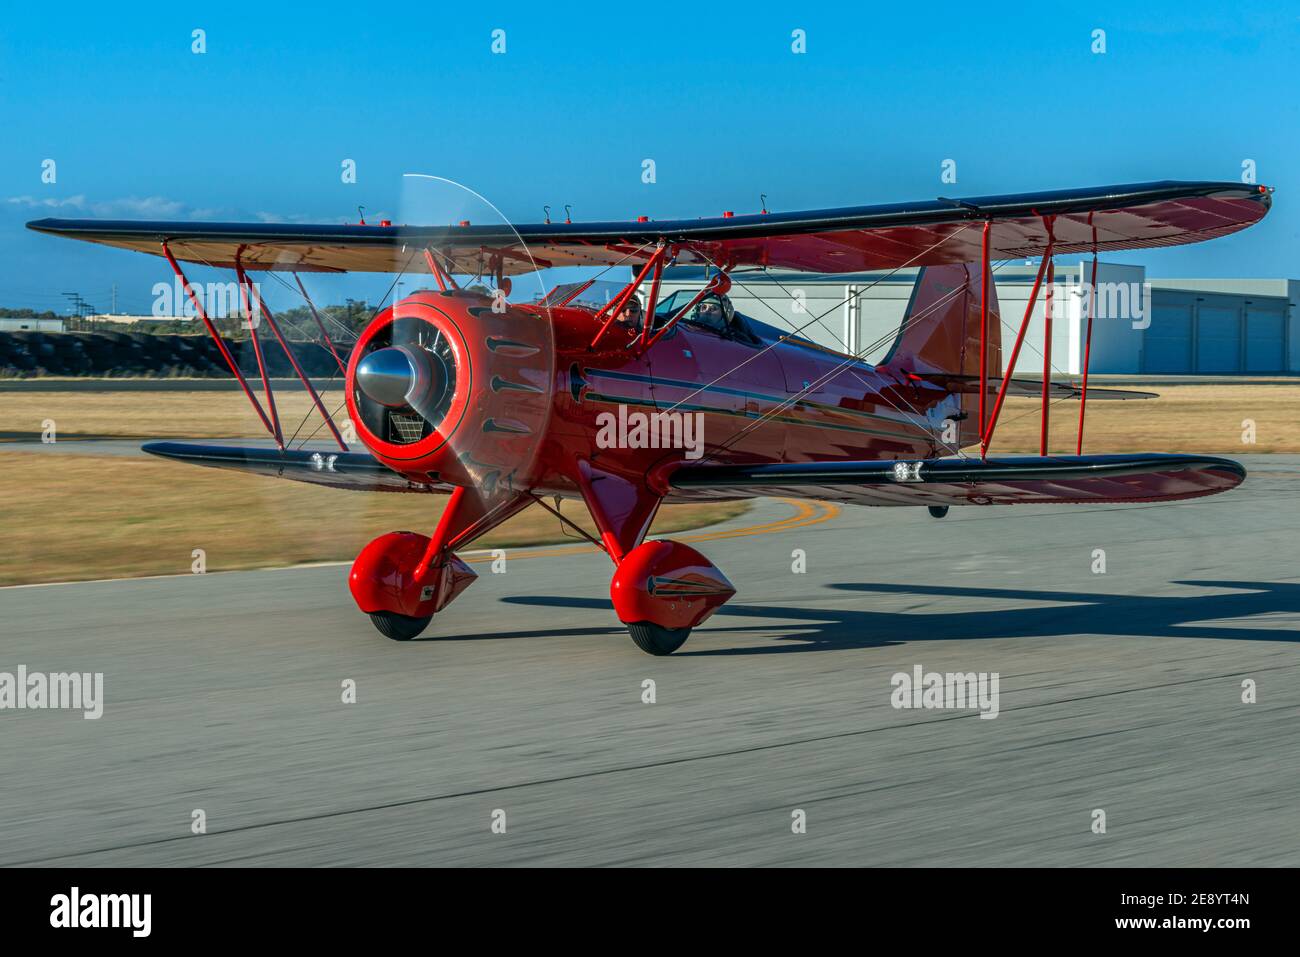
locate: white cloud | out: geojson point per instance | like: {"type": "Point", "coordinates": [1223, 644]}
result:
{"type": "Point", "coordinates": [148, 207]}
{"type": "Point", "coordinates": [265, 217]}
{"type": "Point", "coordinates": [31, 202]}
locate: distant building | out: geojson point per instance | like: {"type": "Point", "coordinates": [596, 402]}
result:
{"type": "Point", "coordinates": [133, 320]}
{"type": "Point", "coordinates": [1140, 326]}
{"type": "Point", "coordinates": [1223, 326]}
{"type": "Point", "coordinates": [32, 325]}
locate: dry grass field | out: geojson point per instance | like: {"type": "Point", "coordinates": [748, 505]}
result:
{"type": "Point", "coordinates": [76, 517]}
{"type": "Point", "coordinates": [1185, 418]}
{"type": "Point", "coordinates": [81, 516]}
{"type": "Point", "coordinates": [194, 415]}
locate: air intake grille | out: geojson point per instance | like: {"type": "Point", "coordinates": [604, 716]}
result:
{"type": "Point", "coordinates": [406, 427]}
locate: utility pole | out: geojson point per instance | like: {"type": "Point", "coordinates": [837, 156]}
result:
{"type": "Point", "coordinates": [76, 303]}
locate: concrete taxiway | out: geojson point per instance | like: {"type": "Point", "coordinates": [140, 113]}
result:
{"type": "Point", "coordinates": [1119, 691]}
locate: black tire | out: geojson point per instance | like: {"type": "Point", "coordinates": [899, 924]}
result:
{"type": "Point", "coordinates": [655, 639]}
{"type": "Point", "coordinates": [399, 627]}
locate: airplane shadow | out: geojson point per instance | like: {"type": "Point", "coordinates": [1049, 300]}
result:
{"type": "Point", "coordinates": [1140, 616]}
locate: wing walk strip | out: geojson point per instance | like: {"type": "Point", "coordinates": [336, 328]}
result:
{"type": "Point", "coordinates": [633, 768]}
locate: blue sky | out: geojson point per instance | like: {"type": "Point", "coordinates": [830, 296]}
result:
{"type": "Point", "coordinates": [257, 127]}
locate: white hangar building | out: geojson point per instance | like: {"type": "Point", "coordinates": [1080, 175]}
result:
{"type": "Point", "coordinates": [1141, 326]}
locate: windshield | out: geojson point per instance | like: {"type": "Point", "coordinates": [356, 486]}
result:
{"type": "Point", "coordinates": [707, 312]}
{"type": "Point", "coordinates": [593, 297]}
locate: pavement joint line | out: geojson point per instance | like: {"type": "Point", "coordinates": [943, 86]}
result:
{"type": "Point", "coordinates": [607, 772]}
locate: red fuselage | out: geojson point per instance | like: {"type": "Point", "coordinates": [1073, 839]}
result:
{"type": "Point", "coordinates": [532, 397]}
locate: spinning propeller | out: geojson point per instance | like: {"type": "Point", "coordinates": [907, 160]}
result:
{"type": "Point", "coordinates": [453, 382]}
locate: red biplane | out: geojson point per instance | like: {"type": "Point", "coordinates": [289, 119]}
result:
{"type": "Point", "coordinates": [502, 405]}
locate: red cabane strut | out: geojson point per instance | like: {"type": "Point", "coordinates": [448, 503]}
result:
{"type": "Point", "coordinates": [611, 310]}
{"type": "Point", "coordinates": [440, 275]}
{"type": "Point", "coordinates": [718, 285]}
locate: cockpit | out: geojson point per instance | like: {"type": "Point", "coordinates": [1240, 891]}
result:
{"type": "Point", "coordinates": [713, 313]}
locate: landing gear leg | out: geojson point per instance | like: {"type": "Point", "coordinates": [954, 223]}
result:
{"type": "Point", "coordinates": [661, 589]}
{"type": "Point", "coordinates": [401, 580]}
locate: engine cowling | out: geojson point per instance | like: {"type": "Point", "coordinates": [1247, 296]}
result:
{"type": "Point", "coordinates": [443, 387]}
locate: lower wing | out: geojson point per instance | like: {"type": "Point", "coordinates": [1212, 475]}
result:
{"type": "Point", "coordinates": [1144, 477]}
{"type": "Point", "coordinates": [350, 470]}
{"type": "Point", "coordinates": [1140, 477]}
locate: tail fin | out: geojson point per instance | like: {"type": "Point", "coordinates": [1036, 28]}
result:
{"type": "Point", "coordinates": [940, 334]}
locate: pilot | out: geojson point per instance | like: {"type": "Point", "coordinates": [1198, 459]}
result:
{"type": "Point", "coordinates": [710, 314]}
{"type": "Point", "coordinates": [632, 315]}
{"type": "Point", "coordinates": [717, 313]}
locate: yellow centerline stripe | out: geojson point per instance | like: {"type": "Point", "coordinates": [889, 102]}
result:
{"type": "Point", "coordinates": [806, 514]}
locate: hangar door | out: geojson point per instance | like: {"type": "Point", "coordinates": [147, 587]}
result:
{"type": "Point", "coordinates": [1214, 334]}
{"type": "Point", "coordinates": [1167, 342]}
{"type": "Point", "coordinates": [1265, 338]}
{"type": "Point", "coordinates": [1218, 336]}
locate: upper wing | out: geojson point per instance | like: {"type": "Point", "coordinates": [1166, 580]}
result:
{"type": "Point", "coordinates": [851, 239]}
{"type": "Point", "coordinates": [1145, 477]}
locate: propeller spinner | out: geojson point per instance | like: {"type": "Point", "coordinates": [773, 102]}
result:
{"type": "Point", "coordinates": [403, 375]}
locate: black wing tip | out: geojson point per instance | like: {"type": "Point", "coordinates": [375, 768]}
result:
{"type": "Point", "coordinates": [1231, 466]}
{"type": "Point", "coordinates": [169, 450]}
{"type": "Point", "coordinates": [203, 452]}
{"type": "Point", "coordinates": [1163, 460]}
